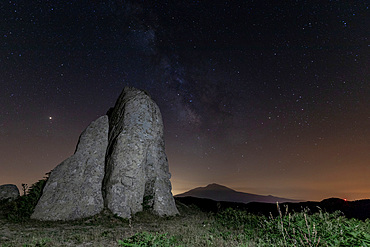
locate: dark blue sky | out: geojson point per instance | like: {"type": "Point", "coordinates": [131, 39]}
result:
{"type": "Point", "coordinates": [268, 97]}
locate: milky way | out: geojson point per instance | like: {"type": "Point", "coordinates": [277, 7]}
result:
{"type": "Point", "coordinates": [268, 97]}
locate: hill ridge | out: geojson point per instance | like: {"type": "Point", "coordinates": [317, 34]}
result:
{"type": "Point", "coordinates": [219, 192]}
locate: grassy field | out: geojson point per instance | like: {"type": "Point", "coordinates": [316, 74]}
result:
{"type": "Point", "coordinates": [192, 228]}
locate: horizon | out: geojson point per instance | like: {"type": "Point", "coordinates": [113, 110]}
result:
{"type": "Point", "coordinates": [176, 192]}
{"type": "Point", "coordinates": [249, 192]}
{"type": "Point", "coordinates": [266, 97]}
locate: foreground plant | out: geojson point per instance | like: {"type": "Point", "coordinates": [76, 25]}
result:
{"type": "Point", "coordinates": [297, 229]}
{"type": "Point", "coordinates": [22, 208]}
{"type": "Point", "coordinates": [192, 227]}
{"type": "Point", "coordinates": [145, 239]}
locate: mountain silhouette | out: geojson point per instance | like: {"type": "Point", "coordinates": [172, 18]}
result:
{"type": "Point", "coordinates": [218, 192]}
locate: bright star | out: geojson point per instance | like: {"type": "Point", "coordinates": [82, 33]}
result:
{"type": "Point", "coordinates": [50, 118]}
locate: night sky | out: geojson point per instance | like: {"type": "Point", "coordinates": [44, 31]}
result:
{"type": "Point", "coordinates": [265, 97]}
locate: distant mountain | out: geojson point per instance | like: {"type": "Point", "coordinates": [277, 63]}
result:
{"type": "Point", "coordinates": [351, 209]}
{"type": "Point", "coordinates": [218, 192]}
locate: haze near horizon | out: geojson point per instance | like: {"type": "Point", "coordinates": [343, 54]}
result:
{"type": "Point", "coordinates": [265, 97]}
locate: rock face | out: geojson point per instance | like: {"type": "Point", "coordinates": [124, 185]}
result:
{"type": "Point", "coordinates": [73, 189]}
{"type": "Point", "coordinates": [119, 164]}
{"type": "Point", "coordinates": [9, 191]}
{"type": "Point", "coordinates": [136, 173]}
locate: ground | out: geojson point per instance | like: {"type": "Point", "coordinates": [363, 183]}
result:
{"type": "Point", "coordinates": [106, 229]}
{"type": "Point", "coordinates": [193, 227]}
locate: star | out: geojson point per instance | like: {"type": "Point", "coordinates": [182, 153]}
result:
{"type": "Point", "coordinates": [267, 94]}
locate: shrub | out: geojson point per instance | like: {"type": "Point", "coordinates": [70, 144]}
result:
{"type": "Point", "coordinates": [22, 208]}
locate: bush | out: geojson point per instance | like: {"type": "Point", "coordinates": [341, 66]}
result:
{"type": "Point", "coordinates": [22, 208]}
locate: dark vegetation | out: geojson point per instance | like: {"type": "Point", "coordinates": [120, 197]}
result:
{"type": "Point", "coordinates": [351, 209]}
{"type": "Point", "coordinates": [202, 222]}
{"type": "Point", "coordinates": [21, 208]}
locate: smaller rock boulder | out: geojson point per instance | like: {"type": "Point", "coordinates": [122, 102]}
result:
{"type": "Point", "coordinates": [73, 190]}
{"type": "Point", "coordinates": [9, 191]}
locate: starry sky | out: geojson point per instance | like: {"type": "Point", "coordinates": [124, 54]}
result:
{"type": "Point", "coordinates": [265, 97]}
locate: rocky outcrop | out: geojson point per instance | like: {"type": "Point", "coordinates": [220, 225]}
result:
{"type": "Point", "coordinates": [73, 189]}
{"type": "Point", "coordinates": [9, 191]}
{"type": "Point", "coordinates": [136, 173]}
{"type": "Point", "coordinates": [119, 164]}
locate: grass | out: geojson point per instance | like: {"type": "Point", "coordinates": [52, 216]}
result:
{"type": "Point", "coordinates": [297, 229]}
{"type": "Point", "coordinates": [193, 227]}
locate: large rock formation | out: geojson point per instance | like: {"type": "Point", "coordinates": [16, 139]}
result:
{"type": "Point", "coordinates": [73, 189]}
{"type": "Point", "coordinates": [123, 170]}
{"type": "Point", "coordinates": [136, 171]}
{"type": "Point", "coordinates": [9, 191]}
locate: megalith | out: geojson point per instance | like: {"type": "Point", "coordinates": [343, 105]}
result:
{"type": "Point", "coordinates": [8, 191]}
{"type": "Point", "coordinates": [73, 189]}
{"type": "Point", "coordinates": [119, 164]}
{"type": "Point", "coordinates": [136, 171]}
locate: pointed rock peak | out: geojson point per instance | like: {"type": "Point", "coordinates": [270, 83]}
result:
{"type": "Point", "coordinates": [129, 92]}
{"type": "Point", "coordinates": [128, 89]}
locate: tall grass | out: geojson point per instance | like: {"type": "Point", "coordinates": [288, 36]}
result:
{"type": "Point", "coordinates": [230, 227]}
{"type": "Point", "coordinates": [239, 228]}
{"type": "Point", "coordinates": [297, 229]}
